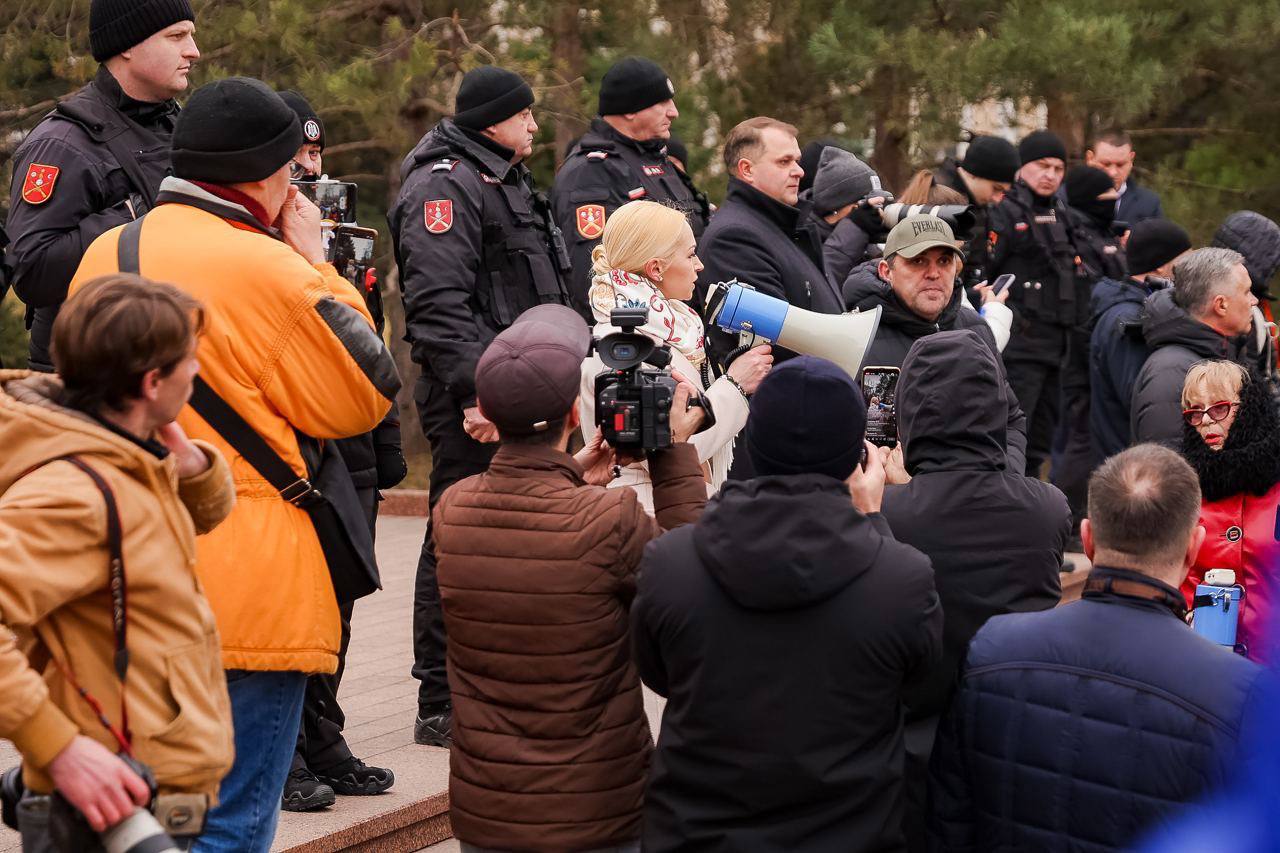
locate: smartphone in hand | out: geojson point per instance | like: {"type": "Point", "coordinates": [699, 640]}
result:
{"type": "Point", "coordinates": [880, 388]}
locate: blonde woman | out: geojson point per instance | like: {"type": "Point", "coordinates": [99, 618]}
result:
{"type": "Point", "coordinates": [648, 257]}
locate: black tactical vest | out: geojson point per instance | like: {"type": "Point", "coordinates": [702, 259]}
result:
{"type": "Point", "coordinates": [1048, 286]}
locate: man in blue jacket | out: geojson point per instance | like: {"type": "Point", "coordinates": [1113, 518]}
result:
{"type": "Point", "coordinates": [1087, 726]}
{"type": "Point", "coordinates": [1117, 349]}
{"type": "Point", "coordinates": [1112, 152]}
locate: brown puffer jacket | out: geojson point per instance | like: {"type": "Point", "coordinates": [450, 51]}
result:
{"type": "Point", "coordinates": [537, 571]}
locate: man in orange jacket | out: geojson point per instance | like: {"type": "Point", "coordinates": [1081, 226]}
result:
{"type": "Point", "coordinates": [290, 346]}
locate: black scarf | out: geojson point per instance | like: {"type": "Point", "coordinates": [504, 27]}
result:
{"type": "Point", "coordinates": [1249, 461]}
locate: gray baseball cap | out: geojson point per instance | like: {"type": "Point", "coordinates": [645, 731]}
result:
{"type": "Point", "coordinates": [530, 374]}
{"type": "Point", "coordinates": [919, 233]}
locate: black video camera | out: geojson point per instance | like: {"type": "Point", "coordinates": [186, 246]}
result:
{"type": "Point", "coordinates": [633, 403]}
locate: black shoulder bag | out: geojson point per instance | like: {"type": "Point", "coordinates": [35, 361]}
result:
{"type": "Point", "coordinates": [326, 494]}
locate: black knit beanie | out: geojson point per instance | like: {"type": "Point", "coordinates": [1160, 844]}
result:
{"type": "Point", "coordinates": [991, 158]}
{"type": "Point", "coordinates": [117, 25]}
{"type": "Point", "coordinates": [1039, 145]}
{"type": "Point", "coordinates": [489, 95]}
{"type": "Point", "coordinates": [1084, 184]}
{"type": "Point", "coordinates": [634, 84]}
{"type": "Point", "coordinates": [312, 126]}
{"type": "Point", "coordinates": [234, 131]}
{"type": "Point", "coordinates": [807, 417]}
{"type": "Point", "coordinates": [1153, 243]}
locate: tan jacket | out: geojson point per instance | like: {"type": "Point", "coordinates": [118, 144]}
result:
{"type": "Point", "coordinates": [54, 595]}
{"type": "Point", "coordinates": [291, 347]}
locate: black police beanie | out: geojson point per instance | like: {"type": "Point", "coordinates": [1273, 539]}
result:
{"type": "Point", "coordinates": [807, 417]}
{"type": "Point", "coordinates": [117, 25]}
{"type": "Point", "coordinates": [312, 126]}
{"type": "Point", "coordinates": [1153, 243]}
{"type": "Point", "coordinates": [1039, 145]}
{"type": "Point", "coordinates": [489, 95]}
{"type": "Point", "coordinates": [991, 158]}
{"type": "Point", "coordinates": [634, 84]}
{"type": "Point", "coordinates": [234, 131]}
{"type": "Point", "coordinates": [1084, 184]}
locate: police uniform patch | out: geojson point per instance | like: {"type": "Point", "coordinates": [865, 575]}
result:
{"type": "Point", "coordinates": [654, 171]}
{"type": "Point", "coordinates": [1020, 226]}
{"type": "Point", "coordinates": [438, 214]}
{"type": "Point", "coordinates": [590, 219]}
{"type": "Point", "coordinates": [638, 192]}
{"type": "Point", "coordinates": [445, 166]}
{"type": "Point", "coordinates": [311, 130]}
{"type": "Point", "coordinates": [38, 187]}
{"type": "Point", "coordinates": [597, 155]}
{"type": "Point", "coordinates": [489, 179]}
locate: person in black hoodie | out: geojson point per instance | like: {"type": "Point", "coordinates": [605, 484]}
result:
{"type": "Point", "coordinates": [986, 173]}
{"type": "Point", "coordinates": [1258, 239]}
{"type": "Point", "coordinates": [1116, 346]}
{"type": "Point", "coordinates": [1008, 562]}
{"type": "Point", "coordinates": [781, 628]}
{"type": "Point", "coordinates": [922, 300]}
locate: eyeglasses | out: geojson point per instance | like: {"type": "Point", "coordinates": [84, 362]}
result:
{"type": "Point", "coordinates": [1217, 413]}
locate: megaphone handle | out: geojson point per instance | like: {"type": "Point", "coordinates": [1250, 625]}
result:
{"type": "Point", "coordinates": [735, 352]}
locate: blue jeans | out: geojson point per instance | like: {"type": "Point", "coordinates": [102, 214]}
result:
{"type": "Point", "coordinates": [266, 708]}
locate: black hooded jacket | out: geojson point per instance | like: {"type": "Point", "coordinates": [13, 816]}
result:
{"type": "Point", "coordinates": [781, 628]}
{"type": "Point", "coordinates": [1116, 355]}
{"type": "Point", "coordinates": [1258, 239]}
{"type": "Point", "coordinates": [995, 537]}
{"type": "Point", "coordinates": [1176, 341]}
{"type": "Point", "coordinates": [900, 328]}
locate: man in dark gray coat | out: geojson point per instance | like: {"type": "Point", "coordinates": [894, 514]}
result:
{"type": "Point", "coordinates": [1208, 313]}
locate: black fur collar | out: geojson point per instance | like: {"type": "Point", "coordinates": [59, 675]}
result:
{"type": "Point", "coordinates": [1249, 460]}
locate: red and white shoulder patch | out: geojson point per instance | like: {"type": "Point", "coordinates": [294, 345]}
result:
{"type": "Point", "coordinates": [590, 220]}
{"type": "Point", "coordinates": [38, 186]}
{"type": "Point", "coordinates": [438, 215]}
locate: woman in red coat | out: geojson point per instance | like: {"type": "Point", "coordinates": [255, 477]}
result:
{"type": "Point", "coordinates": [1232, 439]}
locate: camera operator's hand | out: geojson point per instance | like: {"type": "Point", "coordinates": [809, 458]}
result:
{"type": "Point", "coordinates": [866, 484]}
{"type": "Point", "coordinates": [191, 459]}
{"type": "Point", "coordinates": [895, 468]}
{"type": "Point", "coordinates": [984, 290]}
{"type": "Point", "coordinates": [597, 460]}
{"type": "Point", "coordinates": [102, 787]}
{"type": "Point", "coordinates": [750, 368]}
{"type": "Point", "coordinates": [478, 426]}
{"type": "Point", "coordinates": [299, 224]}
{"type": "Point", "coordinates": [685, 421]}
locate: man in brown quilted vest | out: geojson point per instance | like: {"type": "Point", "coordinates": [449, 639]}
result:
{"type": "Point", "coordinates": [537, 570]}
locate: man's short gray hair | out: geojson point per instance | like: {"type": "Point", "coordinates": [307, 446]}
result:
{"type": "Point", "coordinates": [1143, 504]}
{"type": "Point", "coordinates": [1200, 276]}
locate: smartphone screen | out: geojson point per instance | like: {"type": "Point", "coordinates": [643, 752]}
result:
{"type": "Point", "coordinates": [351, 252]}
{"type": "Point", "coordinates": [336, 199]}
{"type": "Point", "coordinates": [880, 388]}
{"type": "Point", "coordinates": [1001, 282]}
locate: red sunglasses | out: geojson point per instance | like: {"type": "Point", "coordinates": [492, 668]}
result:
{"type": "Point", "coordinates": [1217, 413]}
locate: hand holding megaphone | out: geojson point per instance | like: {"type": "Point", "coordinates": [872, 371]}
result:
{"type": "Point", "coordinates": [842, 338]}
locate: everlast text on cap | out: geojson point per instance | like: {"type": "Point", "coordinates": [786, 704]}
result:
{"type": "Point", "coordinates": [918, 233]}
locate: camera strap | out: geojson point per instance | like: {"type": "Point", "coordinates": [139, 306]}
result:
{"type": "Point", "coordinates": [119, 612]}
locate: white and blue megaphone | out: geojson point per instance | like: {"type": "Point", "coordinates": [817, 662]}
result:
{"type": "Point", "coordinates": [842, 338]}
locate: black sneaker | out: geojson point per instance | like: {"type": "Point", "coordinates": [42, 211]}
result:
{"type": "Point", "coordinates": [435, 729]}
{"type": "Point", "coordinates": [303, 792]}
{"type": "Point", "coordinates": [353, 778]}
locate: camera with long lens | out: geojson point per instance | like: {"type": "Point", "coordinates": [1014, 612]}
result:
{"type": "Point", "coordinates": [960, 217]}
{"type": "Point", "coordinates": [68, 829]}
{"type": "Point", "coordinates": [633, 402]}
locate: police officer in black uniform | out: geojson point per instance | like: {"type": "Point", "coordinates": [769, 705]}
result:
{"type": "Point", "coordinates": [477, 246]}
{"type": "Point", "coordinates": [1091, 199]}
{"type": "Point", "coordinates": [621, 158]}
{"type": "Point", "coordinates": [1030, 236]}
{"type": "Point", "coordinates": [985, 174]}
{"type": "Point", "coordinates": [97, 160]}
